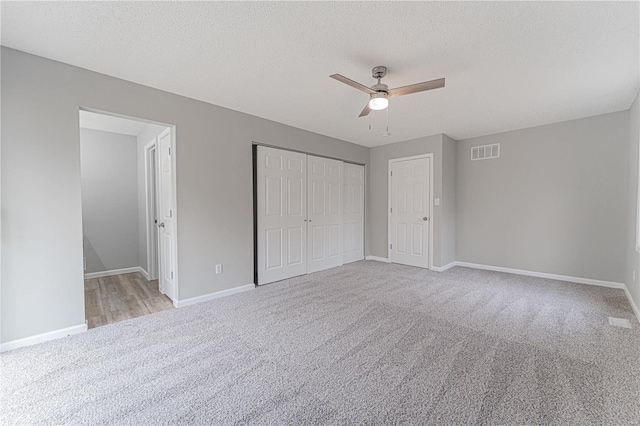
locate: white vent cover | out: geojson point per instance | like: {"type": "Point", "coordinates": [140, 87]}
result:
{"type": "Point", "coordinates": [620, 322]}
{"type": "Point", "coordinates": [485, 152]}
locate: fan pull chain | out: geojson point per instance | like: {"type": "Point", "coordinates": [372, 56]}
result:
{"type": "Point", "coordinates": [385, 134]}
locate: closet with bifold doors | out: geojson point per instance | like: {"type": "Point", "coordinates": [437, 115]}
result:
{"type": "Point", "coordinates": [309, 213]}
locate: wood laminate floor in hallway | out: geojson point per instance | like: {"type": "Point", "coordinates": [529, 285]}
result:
{"type": "Point", "coordinates": [120, 297]}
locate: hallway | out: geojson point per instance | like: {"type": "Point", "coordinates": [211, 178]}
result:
{"type": "Point", "coordinates": [116, 298]}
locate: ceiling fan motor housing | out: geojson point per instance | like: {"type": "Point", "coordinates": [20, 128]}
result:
{"type": "Point", "coordinates": [379, 71]}
{"type": "Point", "coordinates": [380, 87]}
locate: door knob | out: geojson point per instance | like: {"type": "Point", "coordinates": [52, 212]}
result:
{"type": "Point", "coordinates": [425, 218]}
{"type": "Point", "coordinates": [161, 225]}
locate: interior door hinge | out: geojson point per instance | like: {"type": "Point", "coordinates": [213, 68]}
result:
{"type": "Point", "coordinates": [391, 173]}
{"type": "Point", "coordinates": [170, 213]}
{"type": "Point", "coordinates": [169, 150]}
{"type": "Point", "coordinates": [171, 274]}
{"type": "Point", "coordinates": [391, 210]}
{"type": "Point", "coordinates": [391, 246]}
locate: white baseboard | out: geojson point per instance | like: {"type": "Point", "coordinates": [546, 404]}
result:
{"type": "Point", "coordinates": [144, 273]}
{"type": "Point", "coordinates": [44, 337]}
{"type": "Point", "coordinates": [377, 259]}
{"type": "Point", "coordinates": [211, 296]}
{"type": "Point", "coordinates": [568, 278]}
{"type": "Point", "coordinates": [588, 281]}
{"type": "Point", "coordinates": [632, 303]}
{"type": "Point", "coordinates": [444, 268]}
{"type": "Point", "coordinates": [113, 272]}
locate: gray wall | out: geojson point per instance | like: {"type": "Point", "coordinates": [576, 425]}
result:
{"type": "Point", "coordinates": [41, 199]}
{"type": "Point", "coordinates": [633, 258]}
{"type": "Point", "coordinates": [146, 135]}
{"type": "Point", "coordinates": [448, 201]}
{"type": "Point", "coordinates": [109, 200]}
{"type": "Point", "coordinates": [379, 198]}
{"type": "Point", "coordinates": [555, 201]}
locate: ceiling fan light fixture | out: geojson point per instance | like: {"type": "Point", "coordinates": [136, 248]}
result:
{"type": "Point", "coordinates": [380, 93]}
{"type": "Point", "coordinates": [378, 101]}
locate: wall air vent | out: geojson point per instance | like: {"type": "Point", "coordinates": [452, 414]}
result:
{"type": "Point", "coordinates": [485, 152]}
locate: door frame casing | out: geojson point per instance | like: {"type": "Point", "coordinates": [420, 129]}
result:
{"type": "Point", "coordinates": [150, 222]}
{"type": "Point", "coordinates": [430, 157]}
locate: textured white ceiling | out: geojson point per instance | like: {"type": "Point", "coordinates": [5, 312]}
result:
{"type": "Point", "coordinates": [508, 65]}
{"type": "Point", "coordinates": [108, 123]}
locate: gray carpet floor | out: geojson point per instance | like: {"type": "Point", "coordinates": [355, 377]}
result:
{"type": "Point", "coordinates": [366, 343]}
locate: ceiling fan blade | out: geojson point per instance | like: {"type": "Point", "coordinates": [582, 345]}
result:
{"type": "Point", "coordinates": [352, 83]}
{"type": "Point", "coordinates": [418, 87]}
{"type": "Point", "coordinates": [365, 111]}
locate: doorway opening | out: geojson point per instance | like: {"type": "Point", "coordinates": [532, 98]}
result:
{"type": "Point", "coordinates": [128, 216]}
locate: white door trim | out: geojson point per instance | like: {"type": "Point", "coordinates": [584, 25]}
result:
{"type": "Point", "coordinates": [152, 263]}
{"type": "Point", "coordinates": [174, 185]}
{"type": "Point", "coordinates": [396, 160]}
{"type": "Point", "coordinates": [307, 153]}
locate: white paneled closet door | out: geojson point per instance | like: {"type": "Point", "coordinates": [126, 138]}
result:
{"type": "Point", "coordinates": [282, 214]}
{"type": "Point", "coordinates": [324, 212]}
{"type": "Point", "coordinates": [353, 211]}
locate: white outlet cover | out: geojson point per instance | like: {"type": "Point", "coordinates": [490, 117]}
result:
{"type": "Point", "coordinates": [436, 201]}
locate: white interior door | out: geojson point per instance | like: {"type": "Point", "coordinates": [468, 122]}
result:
{"type": "Point", "coordinates": [324, 213]}
{"type": "Point", "coordinates": [282, 214]}
{"type": "Point", "coordinates": [151, 188]}
{"type": "Point", "coordinates": [409, 210]}
{"type": "Point", "coordinates": [353, 210]}
{"type": "Point", "coordinates": [166, 219]}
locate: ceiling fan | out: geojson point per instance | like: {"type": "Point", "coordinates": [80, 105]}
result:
{"type": "Point", "coordinates": [380, 93]}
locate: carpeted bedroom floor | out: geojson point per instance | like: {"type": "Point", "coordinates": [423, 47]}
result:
{"type": "Point", "coordinates": [363, 343]}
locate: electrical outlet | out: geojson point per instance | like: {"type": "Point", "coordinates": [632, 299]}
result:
{"type": "Point", "coordinates": [436, 201]}
{"type": "Point", "coordinates": [219, 268]}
